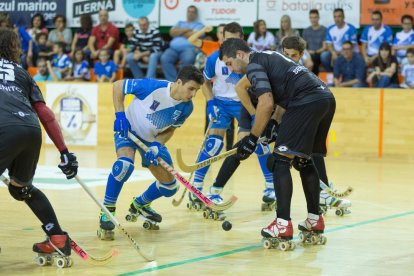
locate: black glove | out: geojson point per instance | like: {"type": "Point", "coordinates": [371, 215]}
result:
{"type": "Point", "coordinates": [270, 132]}
{"type": "Point", "coordinates": [68, 164]}
{"type": "Point", "coordinates": [246, 147]}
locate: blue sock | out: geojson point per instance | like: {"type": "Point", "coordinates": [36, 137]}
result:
{"type": "Point", "coordinates": [213, 146]}
{"type": "Point", "coordinates": [151, 194]}
{"type": "Point", "coordinates": [114, 187]}
{"type": "Point", "coordinates": [268, 176]}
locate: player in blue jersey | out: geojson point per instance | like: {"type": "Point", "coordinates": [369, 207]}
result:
{"type": "Point", "coordinates": [373, 36]}
{"type": "Point", "coordinates": [404, 39]}
{"type": "Point", "coordinates": [159, 107]}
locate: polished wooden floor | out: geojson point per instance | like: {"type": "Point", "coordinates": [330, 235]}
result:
{"type": "Point", "coordinates": [376, 239]}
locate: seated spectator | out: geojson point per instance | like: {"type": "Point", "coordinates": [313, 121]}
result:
{"type": "Point", "coordinates": [148, 50]}
{"type": "Point", "coordinates": [386, 69]}
{"type": "Point", "coordinates": [61, 33]}
{"type": "Point", "coordinates": [37, 26]}
{"type": "Point", "coordinates": [285, 31]}
{"type": "Point", "coordinates": [295, 48]}
{"type": "Point", "coordinates": [336, 35]}
{"type": "Point", "coordinates": [350, 68]}
{"type": "Point", "coordinates": [81, 37]}
{"type": "Point", "coordinates": [80, 67]}
{"type": "Point", "coordinates": [372, 37]}
{"type": "Point", "coordinates": [61, 61]}
{"type": "Point", "coordinates": [407, 70]}
{"type": "Point", "coordinates": [261, 39]}
{"type": "Point", "coordinates": [45, 71]}
{"type": "Point", "coordinates": [42, 49]}
{"type": "Point", "coordinates": [128, 43]}
{"type": "Point", "coordinates": [404, 39]}
{"type": "Point", "coordinates": [105, 69]}
{"type": "Point", "coordinates": [315, 36]}
{"type": "Point", "coordinates": [105, 36]}
{"type": "Point", "coordinates": [180, 49]}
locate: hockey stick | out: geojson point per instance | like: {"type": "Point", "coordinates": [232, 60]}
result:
{"type": "Point", "coordinates": [148, 257]}
{"type": "Point", "coordinates": [333, 193]}
{"type": "Point", "coordinates": [75, 247]}
{"type": "Point", "coordinates": [191, 168]}
{"type": "Point", "coordinates": [179, 177]}
{"type": "Point", "coordinates": [176, 203]}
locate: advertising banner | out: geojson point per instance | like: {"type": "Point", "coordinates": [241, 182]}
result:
{"type": "Point", "coordinates": [298, 10]}
{"type": "Point", "coordinates": [210, 12]}
{"type": "Point", "coordinates": [75, 107]}
{"type": "Point", "coordinates": [392, 10]}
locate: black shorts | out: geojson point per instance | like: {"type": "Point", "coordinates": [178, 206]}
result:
{"type": "Point", "coordinates": [19, 152]}
{"type": "Point", "coordinates": [304, 129]}
{"type": "Point", "coordinates": [245, 122]}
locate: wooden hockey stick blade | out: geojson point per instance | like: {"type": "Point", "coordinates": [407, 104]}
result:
{"type": "Point", "coordinates": [177, 203]}
{"type": "Point", "coordinates": [190, 168]}
{"type": "Point", "coordinates": [148, 257]}
{"type": "Point", "coordinates": [327, 189]}
{"type": "Point", "coordinates": [93, 259]}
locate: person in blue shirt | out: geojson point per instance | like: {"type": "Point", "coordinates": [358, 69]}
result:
{"type": "Point", "coordinates": [61, 61]}
{"type": "Point", "coordinates": [372, 37]}
{"type": "Point", "coordinates": [157, 110]}
{"type": "Point", "coordinates": [105, 69]}
{"type": "Point", "coordinates": [404, 39]}
{"type": "Point", "coordinates": [350, 68]}
{"type": "Point", "coordinates": [180, 49]}
{"type": "Point", "coordinates": [336, 35]}
{"type": "Point", "coordinates": [45, 71]}
{"type": "Point", "coordinates": [80, 68]}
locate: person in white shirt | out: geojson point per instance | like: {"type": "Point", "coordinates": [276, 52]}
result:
{"type": "Point", "coordinates": [404, 39]}
{"type": "Point", "coordinates": [261, 39]}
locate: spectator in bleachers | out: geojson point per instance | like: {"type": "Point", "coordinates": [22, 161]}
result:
{"type": "Point", "coordinates": [285, 31]}
{"type": "Point", "coordinates": [261, 39]}
{"type": "Point", "coordinates": [386, 69]}
{"type": "Point", "coordinates": [61, 33]}
{"type": "Point", "coordinates": [147, 50]}
{"type": "Point", "coordinates": [37, 25]}
{"type": "Point", "coordinates": [127, 44]}
{"type": "Point", "coordinates": [295, 48]}
{"type": "Point", "coordinates": [350, 68]}
{"type": "Point", "coordinates": [404, 39]}
{"type": "Point", "coordinates": [207, 46]}
{"type": "Point", "coordinates": [81, 37]}
{"type": "Point", "coordinates": [372, 37]}
{"type": "Point", "coordinates": [336, 35]}
{"type": "Point", "coordinates": [315, 36]}
{"type": "Point", "coordinates": [180, 49]}
{"type": "Point", "coordinates": [80, 67]}
{"type": "Point", "coordinates": [105, 69]}
{"type": "Point", "coordinates": [61, 61]}
{"type": "Point", "coordinates": [105, 36]}
{"type": "Point", "coordinates": [45, 71]}
{"type": "Point", "coordinates": [407, 70]}
{"type": "Point", "coordinates": [43, 50]}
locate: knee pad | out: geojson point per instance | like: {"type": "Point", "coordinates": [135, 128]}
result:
{"type": "Point", "coordinates": [214, 144]}
{"type": "Point", "coordinates": [262, 149]}
{"type": "Point", "coordinates": [122, 169]}
{"type": "Point", "coordinates": [300, 163]}
{"type": "Point", "coordinates": [21, 193]}
{"type": "Point", "coordinates": [168, 189]}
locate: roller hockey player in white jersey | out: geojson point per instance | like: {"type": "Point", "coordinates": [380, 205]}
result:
{"type": "Point", "coordinates": [223, 105]}
{"type": "Point", "coordinates": [158, 108]}
{"type": "Point", "coordinates": [294, 48]}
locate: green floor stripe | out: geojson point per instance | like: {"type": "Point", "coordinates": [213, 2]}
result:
{"type": "Point", "coordinates": [255, 246]}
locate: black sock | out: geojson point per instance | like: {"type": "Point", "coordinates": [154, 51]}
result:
{"type": "Point", "coordinates": [228, 168]}
{"type": "Point", "coordinates": [320, 167]}
{"type": "Point", "coordinates": [42, 208]}
{"type": "Point", "coordinates": [310, 183]}
{"type": "Point", "coordinates": [230, 136]}
{"type": "Point", "coordinates": [282, 180]}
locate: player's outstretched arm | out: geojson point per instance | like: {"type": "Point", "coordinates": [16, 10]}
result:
{"type": "Point", "coordinates": [195, 37]}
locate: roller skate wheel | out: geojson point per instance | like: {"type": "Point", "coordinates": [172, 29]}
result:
{"type": "Point", "coordinates": [41, 260]}
{"type": "Point", "coordinates": [128, 217]}
{"type": "Point", "coordinates": [284, 246]}
{"type": "Point", "coordinates": [339, 212]}
{"type": "Point", "coordinates": [292, 246]}
{"type": "Point", "coordinates": [205, 214]}
{"type": "Point", "coordinates": [189, 207]}
{"type": "Point", "coordinates": [70, 262]}
{"type": "Point", "coordinates": [60, 262]}
{"type": "Point", "coordinates": [267, 244]}
{"type": "Point", "coordinates": [302, 237]}
{"type": "Point", "coordinates": [314, 239]}
{"type": "Point", "coordinates": [214, 216]}
{"type": "Point", "coordinates": [147, 225]}
{"type": "Point", "coordinates": [323, 240]}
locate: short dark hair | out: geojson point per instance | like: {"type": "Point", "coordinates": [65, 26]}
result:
{"type": "Point", "coordinates": [129, 25]}
{"type": "Point", "coordinates": [42, 20]}
{"type": "Point", "coordinates": [377, 12]}
{"type": "Point", "coordinates": [9, 45]}
{"type": "Point", "coordinates": [61, 45]}
{"type": "Point", "coordinates": [86, 22]}
{"type": "Point", "coordinates": [234, 28]}
{"type": "Point", "coordinates": [193, 7]}
{"type": "Point", "coordinates": [315, 11]}
{"type": "Point", "coordinates": [339, 10]}
{"type": "Point", "coordinates": [348, 42]}
{"type": "Point", "coordinates": [410, 51]}
{"type": "Point", "coordinates": [190, 73]}
{"type": "Point", "coordinates": [59, 16]}
{"type": "Point", "coordinates": [230, 47]}
{"type": "Point", "coordinates": [4, 17]}
{"type": "Point", "coordinates": [407, 16]}
{"type": "Point", "coordinates": [39, 35]}
{"type": "Point", "coordinates": [294, 42]}
{"type": "Point", "coordinates": [40, 59]}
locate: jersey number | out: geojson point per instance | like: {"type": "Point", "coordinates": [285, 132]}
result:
{"type": "Point", "coordinates": [6, 71]}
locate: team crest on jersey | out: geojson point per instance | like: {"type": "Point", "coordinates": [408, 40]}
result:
{"type": "Point", "coordinates": [176, 114]}
{"type": "Point", "coordinates": [224, 70]}
{"type": "Point", "coordinates": [154, 105]}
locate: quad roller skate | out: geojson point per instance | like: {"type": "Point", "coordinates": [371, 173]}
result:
{"type": "Point", "coordinates": [269, 199]}
{"type": "Point", "coordinates": [278, 235]}
{"type": "Point", "coordinates": [106, 226]}
{"type": "Point", "coordinates": [54, 250]}
{"type": "Point", "coordinates": [214, 195]}
{"type": "Point", "coordinates": [145, 213]}
{"type": "Point", "coordinates": [326, 201]}
{"type": "Point", "coordinates": [311, 230]}
{"type": "Point", "coordinates": [194, 202]}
